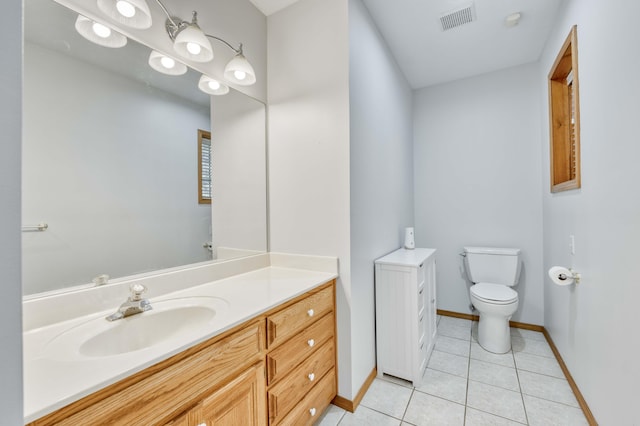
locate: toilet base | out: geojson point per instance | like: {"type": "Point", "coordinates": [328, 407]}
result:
{"type": "Point", "coordinates": [494, 334]}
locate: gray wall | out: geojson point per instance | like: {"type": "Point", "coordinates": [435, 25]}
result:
{"type": "Point", "coordinates": [381, 147]}
{"type": "Point", "coordinates": [478, 179]}
{"type": "Point", "coordinates": [593, 324]}
{"type": "Point", "coordinates": [10, 288]}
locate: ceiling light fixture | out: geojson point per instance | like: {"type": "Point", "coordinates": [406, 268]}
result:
{"type": "Point", "coordinates": [165, 64]}
{"type": "Point", "coordinates": [99, 33]}
{"type": "Point", "coordinates": [132, 13]}
{"type": "Point", "coordinates": [212, 86]}
{"type": "Point", "coordinates": [513, 19]}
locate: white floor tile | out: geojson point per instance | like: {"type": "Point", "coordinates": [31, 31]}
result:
{"type": "Point", "coordinates": [448, 363]}
{"type": "Point", "coordinates": [444, 385]}
{"type": "Point", "coordinates": [534, 347]}
{"type": "Point", "coordinates": [459, 322]}
{"type": "Point", "coordinates": [429, 410]}
{"type": "Point", "coordinates": [331, 416]}
{"type": "Point", "coordinates": [527, 334]}
{"type": "Point", "coordinates": [367, 417]}
{"type": "Point", "coordinates": [387, 398]}
{"type": "Point", "coordinates": [494, 374]}
{"type": "Point", "coordinates": [541, 412]}
{"type": "Point", "coordinates": [452, 345]}
{"type": "Point", "coordinates": [477, 352]}
{"type": "Point", "coordinates": [494, 400]}
{"type": "Point", "coordinates": [546, 387]}
{"type": "Point", "coordinates": [454, 331]}
{"type": "Point", "coordinates": [480, 418]}
{"type": "Point", "coordinates": [538, 364]}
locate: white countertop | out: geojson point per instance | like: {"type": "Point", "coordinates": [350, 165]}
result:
{"type": "Point", "coordinates": [51, 384]}
{"type": "Point", "coordinates": [406, 257]}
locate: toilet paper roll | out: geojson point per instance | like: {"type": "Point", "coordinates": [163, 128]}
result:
{"type": "Point", "coordinates": [561, 275]}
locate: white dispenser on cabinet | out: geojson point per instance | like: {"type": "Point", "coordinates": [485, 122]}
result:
{"type": "Point", "coordinates": [409, 240]}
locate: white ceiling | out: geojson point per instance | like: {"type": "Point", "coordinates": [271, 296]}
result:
{"type": "Point", "coordinates": [427, 55]}
{"type": "Point", "coordinates": [269, 7]}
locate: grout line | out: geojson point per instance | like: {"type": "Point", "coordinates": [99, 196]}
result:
{"type": "Point", "coordinates": [524, 406]}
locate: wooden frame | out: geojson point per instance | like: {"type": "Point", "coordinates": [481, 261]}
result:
{"type": "Point", "coordinates": [564, 117]}
{"type": "Point", "coordinates": [202, 135]}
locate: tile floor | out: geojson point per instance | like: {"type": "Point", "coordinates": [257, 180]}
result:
{"type": "Point", "coordinates": [466, 385]}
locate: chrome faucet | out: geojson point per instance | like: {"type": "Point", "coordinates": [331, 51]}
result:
{"type": "Point", "coordinates": [135, 304]}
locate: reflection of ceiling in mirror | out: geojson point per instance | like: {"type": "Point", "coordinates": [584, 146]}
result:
{"type": "Point", "coordinates": [51, 25]}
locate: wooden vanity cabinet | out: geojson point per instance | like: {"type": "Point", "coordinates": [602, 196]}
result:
{"type": "Point", "coordinates": [301, 359]}
{"type": "Point", "coordinates": [240, 402]}
{"type": "Point", "coordinates": [234, 379]}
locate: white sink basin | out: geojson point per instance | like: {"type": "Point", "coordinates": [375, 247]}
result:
{"type": "Point", "coordinates": [170, 321]}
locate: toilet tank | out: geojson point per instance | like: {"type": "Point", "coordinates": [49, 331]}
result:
{"type": "Point", "coordinates": [493, 265]}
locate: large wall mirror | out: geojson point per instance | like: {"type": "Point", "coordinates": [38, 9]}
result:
{"type": "Point", "coordinates": [110, 162]}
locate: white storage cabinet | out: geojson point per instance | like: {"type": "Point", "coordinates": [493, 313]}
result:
{"type": "Point", "coordinates": [405, 312]}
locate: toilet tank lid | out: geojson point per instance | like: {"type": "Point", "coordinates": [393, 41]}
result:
{"type": "Point", "coordinates": [493, 250]}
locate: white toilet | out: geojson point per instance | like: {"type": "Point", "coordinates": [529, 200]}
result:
{"type": "Point", "coordinates": [493, 272]}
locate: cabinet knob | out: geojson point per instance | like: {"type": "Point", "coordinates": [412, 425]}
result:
{"type": "Point", "coordinates": [202, 424]}
{"type": "Point", "coordinates": [311, 377]}
{"type": "Point", "coordinates": [311, 342]}
{"type": "Point", "coordinates": [310, 312]}
{"type": "Point", "coordinates": [312, 412]}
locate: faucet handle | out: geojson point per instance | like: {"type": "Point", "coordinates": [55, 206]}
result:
{"type": "Point", "coordinates": [136, 291]}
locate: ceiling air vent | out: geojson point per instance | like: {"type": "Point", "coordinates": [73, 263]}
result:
{"type": "Point", "coordinates": [457, 17]}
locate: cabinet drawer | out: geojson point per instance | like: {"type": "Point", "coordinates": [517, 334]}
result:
{"type": "Point", "coordinates": [291, 388]}
{"type": "Point", "coordinates": [311, 407]}
{"type": "Point", "coordinates": [285, 323]}
{"type": "Point", "coordinates": [161, 396]}
{"type": "Point", "coordinates": [282, 359]}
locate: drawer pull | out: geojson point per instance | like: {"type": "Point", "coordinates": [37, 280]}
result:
{"type": "Point", "coordinates": [202, 424]}
{"type": "Point", "coordinates": [310, 312]}
{"type": "Point", "coordinates": [311, 377]}
{"type": "Point", "coordinates": [311, 342]}
{"type": "Point", "coordinates": [312, 412]}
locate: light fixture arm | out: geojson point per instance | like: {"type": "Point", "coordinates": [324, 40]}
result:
{"type": "Point", "coordinates": [174, 25]}
{"type": "Point", "coordinates": [238, 51]}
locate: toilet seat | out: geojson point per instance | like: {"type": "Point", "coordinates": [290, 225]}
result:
{"type": "Point", "coordinates": [494, 293]}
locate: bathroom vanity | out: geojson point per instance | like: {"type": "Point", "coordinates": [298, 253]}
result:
{"type": "Point", "coordinates": [268, 358]}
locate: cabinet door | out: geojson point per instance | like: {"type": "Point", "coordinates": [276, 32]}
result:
{"type": "Point", "coordinates": [241, 402]}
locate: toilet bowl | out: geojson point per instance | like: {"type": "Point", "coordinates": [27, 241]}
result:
{"type": "Point", "coordinates": [493, 271]}
{"type": "Point", "coordinates": [496, 304]}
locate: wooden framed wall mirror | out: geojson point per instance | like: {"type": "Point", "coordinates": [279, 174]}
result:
{"type": "Point", "coordinates": [564, 117]}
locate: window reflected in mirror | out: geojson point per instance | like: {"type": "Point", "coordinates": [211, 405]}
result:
{"type": "Point", "coordinates": [204, 167]}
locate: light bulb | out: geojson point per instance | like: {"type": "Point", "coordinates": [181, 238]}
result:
{"type": "Point", "coordinates": [194, 48]}
{"type": "Point", "coordinates": [240, 75]}
{"type": "Point", "coordinates": [125, 8]}
{"type": "Point", "coordinates": [167, 62]}
{"type": "Point", "coordinates": [214, 85]}
{"type": "Point", "coordinates": [101, 30]}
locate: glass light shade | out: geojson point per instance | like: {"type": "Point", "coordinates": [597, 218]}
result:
{"type": "Point", "coordinates": [186, 39]}
{"type": "Point", "coordinates": [240, 71]}
{"type": "Point", "coordinates": [165, 64]}
{"type": "Point", "coordinates": [212, 86]}
{"type": "Point", "coordinates": [96, 33]}
{"type": "Point", "coordinates": [132, 13]}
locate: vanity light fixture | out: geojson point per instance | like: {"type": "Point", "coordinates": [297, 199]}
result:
{"type": "Point", "coordinates": [212, 86]}
{"type": "Point", "coordinates": [99, 33]}
{"type": "Point", "coordinates": [165, 64]}
{"type": "Point", "coordinates": [189, 41]}
{"type": "Point", "coordinates": [132, 13]}
{"type": "Point", "coordinates": [239, 70]}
